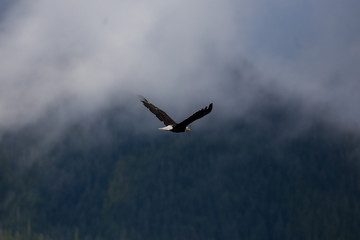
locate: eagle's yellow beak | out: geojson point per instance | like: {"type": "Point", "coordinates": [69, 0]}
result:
{"type": "Point", "coordinates": [188, 129]}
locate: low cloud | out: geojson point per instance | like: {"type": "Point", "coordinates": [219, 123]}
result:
{"type": "Point", "coordinates": [178, 53]}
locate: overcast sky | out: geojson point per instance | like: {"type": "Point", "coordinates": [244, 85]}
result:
{"type": "Point", "coordinates": [182, 54]}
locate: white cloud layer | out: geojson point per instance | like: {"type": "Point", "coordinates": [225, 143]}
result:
{"type": "Point", "coordinates": [83, 52]}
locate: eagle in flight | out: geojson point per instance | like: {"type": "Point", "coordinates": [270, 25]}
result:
{"type": "Point", "coordinates": [171, 125]}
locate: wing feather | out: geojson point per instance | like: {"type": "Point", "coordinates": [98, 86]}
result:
{"type": "Point", "coordinates": [197, 115]}
{"type": "Point", "coordinates": [160, 114]}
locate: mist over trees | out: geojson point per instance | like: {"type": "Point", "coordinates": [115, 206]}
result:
{"type": "Point", "coordinates": [253, 178]}
{"type": "Point", "coordinates": [278, 157]}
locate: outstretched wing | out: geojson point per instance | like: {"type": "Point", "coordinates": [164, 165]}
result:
{"type": "Point", "coordinates": [197, 115]}
{"type": "Point", "coordinates": [160, 114]}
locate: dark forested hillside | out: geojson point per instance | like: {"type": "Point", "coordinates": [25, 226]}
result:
{"type": "Point", "coordinates": [247, 180]}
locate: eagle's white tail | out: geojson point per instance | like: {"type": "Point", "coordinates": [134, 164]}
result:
{"type": "Point", "coordinates": [167, 128]}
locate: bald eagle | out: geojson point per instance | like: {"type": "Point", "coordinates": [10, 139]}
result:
{"type": "Point", "coordinates": [171, 125]}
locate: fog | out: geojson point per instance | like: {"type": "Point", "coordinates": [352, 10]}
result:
{"type": "Point", "coordinates": [85, 55]}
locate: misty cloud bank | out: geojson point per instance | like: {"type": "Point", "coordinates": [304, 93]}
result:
{"type": "Point", "coordinates": [85, 55]}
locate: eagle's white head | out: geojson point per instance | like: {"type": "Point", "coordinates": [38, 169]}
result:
{"type": "Point", "coordinates": [187, 129]}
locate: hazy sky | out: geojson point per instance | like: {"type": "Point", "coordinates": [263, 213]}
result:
{"type": "Point", "coordinates": [181, 54]}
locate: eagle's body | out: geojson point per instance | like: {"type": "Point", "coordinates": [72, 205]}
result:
{"type": "Point", "coordinates": [171, 125]}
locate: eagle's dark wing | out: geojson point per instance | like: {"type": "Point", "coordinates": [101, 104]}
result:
{"type": "Point", "coordinates": [197, 115]}
{"type": "Point", "coordinates": [160, 114]}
